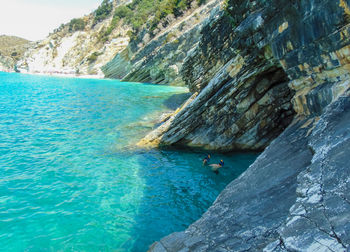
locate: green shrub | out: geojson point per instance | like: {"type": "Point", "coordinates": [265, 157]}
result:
{"type": "Point", "coordinates": [103, 11]}
{"type": "Point", "coordinates": [105, 33]}
{"type": "Point", "coordinates": [123, 12]}
{"type": "Point", "coordinates": [138, 13]}
{"type": "Point", "coordinates": [130, 34]}
{"type": "Point", "coordinates": [60, 28]}
{"type": "Point", "coordinates": [201, 2]}
{"type": "Point", "coordinates": [93, 57]}
{"type": "Point", "coordinates": [169, 37]}
{"type": "Point", "coordinates": [76, 24]}
{"type": "Point", "coordinates": [167, 7]}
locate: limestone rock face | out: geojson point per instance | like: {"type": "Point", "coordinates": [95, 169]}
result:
{"type": "Point", "coordinates": [160, 59]}
{"type": "Point", "coordinates": [12, 49]}
{"type": "Point", "coordinates": [6, 64]}
{"type": "Point", "coordinates": [319, 218]}
{"type": "Point", "coordinates": [76, 52]}
{"type": "Point", "coordinates": [70, 54]}
{"type": "Point", "coordinates": [256, 65]}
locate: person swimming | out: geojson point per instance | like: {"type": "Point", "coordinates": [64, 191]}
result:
{"type": "Point", "coordinates": [206, 159]}
{"type": "Point", "coordinates": [215, 167]}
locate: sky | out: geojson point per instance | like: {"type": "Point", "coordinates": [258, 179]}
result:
{"type": "Point", "coordinates": [35, 19]}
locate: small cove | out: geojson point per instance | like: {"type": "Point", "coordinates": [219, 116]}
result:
{"type": "Point", "coordinates": [69, 179]}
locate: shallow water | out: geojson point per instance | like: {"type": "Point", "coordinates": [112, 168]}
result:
{"type": "Point", "coordinates": [69, 179]}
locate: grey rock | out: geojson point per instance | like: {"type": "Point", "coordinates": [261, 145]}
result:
{"type": "Point", "coordinates": [157, 247]}
{"type": "Point", "coordinates": [263, 68]}
{"type": "Point", "coordinates": [159, 60]}
{"type": "Point", "coordinates": [320, 218]}
{"type": "Point", "coordinates": [294, 197]}
{"type": "Point", "coordinates": [254, 67]}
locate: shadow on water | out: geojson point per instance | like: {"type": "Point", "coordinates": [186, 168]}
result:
{"type": "Point", "coordinates": [176, 100]}
{"type": "Point", "coordinates": [178, 189]}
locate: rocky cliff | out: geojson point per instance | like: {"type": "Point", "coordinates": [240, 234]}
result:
{"type": "Point", "coordinates": [142, 41]}
{"type": "Point", "coordinates": [259, 69]}
{"type": "Point", "coordinates": [12, 48]}
{"type": "Point", "coordinates": [79, 47]}
{"type": "Point", "coordinates": [251, 74]}
{"type": "Point", "coordinates": [159, 59]}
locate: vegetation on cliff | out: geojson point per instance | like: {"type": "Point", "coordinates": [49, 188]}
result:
{"type": "Point", "coordinates": [103, 11]}
{"type": "Point", "coordinates": [156, 53]}
{"type": "Point", "coordinates": [146, 14]}
{"type": "Point", "coordinates": [76, 24]}
{"type": "Point", "coordinates": [85, 44]}
{"type": "Point", "coordinates": [12, 48]}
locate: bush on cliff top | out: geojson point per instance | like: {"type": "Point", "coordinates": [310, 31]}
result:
{"type": "Point", "coordinates": [139, 13]}
{"type": "Point", "coordinates": [103, 11]}
{"type": "Point", "coordinates": [152, 12]}
{"type": "Point", "coordinates": [76, 24]}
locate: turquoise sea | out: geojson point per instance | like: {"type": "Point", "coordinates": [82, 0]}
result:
{"type": "Point", "coordinates": [71, 178]}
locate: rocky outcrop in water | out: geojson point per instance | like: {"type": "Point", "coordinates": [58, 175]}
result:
{"type": "Point", "coordinates": [287, 61]}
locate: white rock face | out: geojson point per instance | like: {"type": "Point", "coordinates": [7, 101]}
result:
{"type": "Point", "coordinates": [76, 53]}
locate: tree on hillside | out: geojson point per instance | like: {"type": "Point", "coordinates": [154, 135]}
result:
{"type": "Point", "coordinates": [76, 24]}
{"type": "Point", "coordinates": [103, 11]}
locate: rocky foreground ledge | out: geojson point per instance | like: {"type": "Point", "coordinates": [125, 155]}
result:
{"type": "Point", "coordinates": [294, 197]}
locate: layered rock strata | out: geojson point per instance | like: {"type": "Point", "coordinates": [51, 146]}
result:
{"type": "Point", "coordinates": [295, 197]}
{"type": "Point", "coordinates": [80, 52]}
{"type": "Point", "coordinates": [243, 100]}
{"type": "Point", "coordinates": [159, 60]}
{"type": "Point", "coordinates": [247, 71]}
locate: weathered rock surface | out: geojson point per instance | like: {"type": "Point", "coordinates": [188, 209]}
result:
{"type": "Point", "coordinates": [243, 105]}
{"type": "Point", "coordinates": [319, 220]}
{"type": "Point", "coordinates": [160, 59]}
{"type": "Point", "coordinates": [79, 52]}
{"type": "Point", "coordinates": [12, 49]}
{"type": "Point", "coordinates": [279, 60]}
{"type": "Point", "coordinates": [295, 197]}
{"type": "Point", "coordinates": [247, 73]}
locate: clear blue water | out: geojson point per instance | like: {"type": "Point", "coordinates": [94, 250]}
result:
{"type": "Point", "coordinates": [70, 179]}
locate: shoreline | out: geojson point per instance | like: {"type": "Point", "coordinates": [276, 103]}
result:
{"type": "Point", "coordinates": [61, 74]}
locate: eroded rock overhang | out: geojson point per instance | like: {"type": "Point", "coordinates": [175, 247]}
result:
{"type": "Point", "coordinates": [257, 65]}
